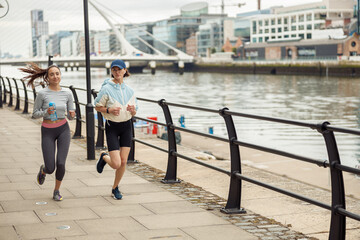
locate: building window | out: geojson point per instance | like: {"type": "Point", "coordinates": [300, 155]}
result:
{"type": "Point", "coordinates": [266, 22]}
{"type": "Point", "coordinates": [266, 39]}
{"type": "Point", "coordinates": [293, 35]}
{"type": "Point", "coordinates": [260, 39]}
{"type": "Point", "coordinates": [301, 36]}
{"type": "Point", "coordinates": [286, 36]}
{"type": "Point", "coordinates": [293, 19]}
{"type": "Point", "coordinates": [254, 27]}
{"type": "Point", "coordinates": [279, 30]}
{"type": "Point", "coordinates": [286, 29]}
{"type": "Point", "coordinates": [308, 36]}
{"type": "Point", "coordinates": [260, 23]}
{"type": "Point", "coordinates": [317, 26]}
{"type": "Point", "coordinates": [272, 37]}
{"type": "Point", "coordinates": [301, 27]}
{"type": "Point", "coordinates": [266, 30]}
{"type": "Point", "coordinates": [272, 21]}
{"type": "Point", "coordinates": [273, 30]}
{"type": "Point", "coordinates": [279, 21]}
{"type": "Point", "coordinates": [285, 20]}
{"type": "Point", "coordinates": [301, 18]}
{"type": "Point", "coordinates": [308, 27]}
{"type": "Point", "coordinates": [293, 28]}
{"type": "Point", "coordinates": [308, 17]}
{"type": "Point", "coordinates": [279, 37]}
{"type": "Point", "coordinates": [353, 44]}
{"type": "Point", "coordinates": [254, 40]}
{"type": "Point", "coordinates": [260, 31]}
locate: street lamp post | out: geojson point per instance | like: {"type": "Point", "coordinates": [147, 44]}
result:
{"type": "Point", "coordinates": [90, 122]}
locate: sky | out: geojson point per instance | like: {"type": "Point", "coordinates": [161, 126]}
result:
{"type": "Point", "coordinates": [15, 27]}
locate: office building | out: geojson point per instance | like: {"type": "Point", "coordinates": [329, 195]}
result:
{"type": "Point", "coordinates": [39, 33]}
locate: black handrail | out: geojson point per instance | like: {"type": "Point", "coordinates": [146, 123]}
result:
{"type": "Point", "coordinates": [17, 105]}
{"type": "Point", "coordinates": [100, 126]}
{"type": "Point", "coordinates": [10, 92]}
{"type": "Point", "coordinates": [5, 91]}
{"type": "Point", "coordinates": [26, 102]}
{"type": "Point", "coordinates": [1, 100]}
{"type": "Point", "coordinates": [77, 133]}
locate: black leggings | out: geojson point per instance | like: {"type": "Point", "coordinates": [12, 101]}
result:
{"type": "Point", "coordinates": [50, 137]}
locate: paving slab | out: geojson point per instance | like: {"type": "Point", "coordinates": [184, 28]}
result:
{"type": "Point", "coordinates": [179, 220]}
{"type": "Point", "coordinates": [173, 234]}
{"type": "Point", "coordinates": [10, 195]}
{"type": "Point", "coordinates": [114, 236]}
{"type": "Point", "coordinates": [110, 225]}
{"type": "Point", "coordinates": [8, 233]}
{"type": "Point", "coordinates": [121, 211]}
{"type": "Point", "coordinates": [83, 202]}
{"type": "Point", "coordinates": [65, 214]}
{"type": "Point", "coordinates": [172, 207]}
{"type": "Point", "coordinates": [18, 218]}
{"type": "Point", "coordinates": [48, 230]}
{"type": "Point", "coordinates": [228, 232]}
{"type": "Point", "coordinates": [27, 205]}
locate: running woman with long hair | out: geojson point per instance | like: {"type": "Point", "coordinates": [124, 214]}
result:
{"type": "Point", "coordinates": [55, 134]}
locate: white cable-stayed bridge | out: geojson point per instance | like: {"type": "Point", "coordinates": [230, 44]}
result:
{"type": "Point", "coordinates": [134, 58]}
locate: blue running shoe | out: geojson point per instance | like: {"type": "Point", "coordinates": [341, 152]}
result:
{"type": "Point", "coordinates": [101, 163]}
{"type": "Point", "coordinates": [116, 194]}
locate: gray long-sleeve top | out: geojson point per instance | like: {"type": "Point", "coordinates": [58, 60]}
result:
{"type": "Point", "coordinates": [63, 102]}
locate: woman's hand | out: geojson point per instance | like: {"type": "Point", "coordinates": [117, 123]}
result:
{"type": "Point", "coordinates": [72, 113]}
{"type": "Point", "coordinates": [131, 109]}
{"type": "Point", "coordinates": [50, 110]}
{"type": "Point", "coordinates": [115, 110]}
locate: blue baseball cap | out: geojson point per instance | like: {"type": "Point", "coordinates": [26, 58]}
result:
{"type": "Point", "coordinates": [118, 63]}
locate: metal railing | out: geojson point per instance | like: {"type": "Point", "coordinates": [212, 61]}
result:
{"type": "Point", "coordinates": [233, 205]}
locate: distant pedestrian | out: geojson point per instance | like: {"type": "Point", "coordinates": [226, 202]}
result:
{"type": "Point", "coordinates": [117, 103]}
{"type": "Point", "coordinates": [55, 132]}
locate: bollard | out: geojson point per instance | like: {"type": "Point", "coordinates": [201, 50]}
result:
{"type": "Point", "coordinates": [181, 66]}
{"type": "Point", "coordinates": [107, 66]}
{"type": "Point", "coordinates": [77, 66]}
{"type": "Point", "coordinates": [72, 66]}
{"type": "Point", "coordinates": [66, 65]}
{"type": "Point", "coordinates": [152, 65]}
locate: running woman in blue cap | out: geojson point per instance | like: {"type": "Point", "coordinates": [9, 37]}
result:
{"type": "Point", "coordinates": [117, 103]}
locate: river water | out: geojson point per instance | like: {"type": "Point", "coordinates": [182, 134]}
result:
{"type": "Point", "coordinates": [306, 98]}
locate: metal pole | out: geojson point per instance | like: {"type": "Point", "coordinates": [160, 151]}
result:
{"type": "Point", "coordinates": [357, 14]}
{"type": "Point", "coordinates": [90, 122]}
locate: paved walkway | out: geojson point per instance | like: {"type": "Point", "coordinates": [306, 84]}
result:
{"type": "Point", "coordinates": [147, 211]}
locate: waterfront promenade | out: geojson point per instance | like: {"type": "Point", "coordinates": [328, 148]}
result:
{"type": "Point", "coordinates": [146, 212]}
{"type": "Point", "coordinates": [150, 209]}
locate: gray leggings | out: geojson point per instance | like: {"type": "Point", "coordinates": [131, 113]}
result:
{"type": "Point", "coordinates": [49, 137]}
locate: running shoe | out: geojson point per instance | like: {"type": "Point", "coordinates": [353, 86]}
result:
{"type": "Point", "coordinates": [116, 194]}
{"type": "Point", "coordinates": [101, 163]}
{"type": "Point", "coordinates": [57, 196]}
{"type": "Point", "coordinates": [41, 175]}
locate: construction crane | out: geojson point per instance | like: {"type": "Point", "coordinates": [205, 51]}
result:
{"type": "Point", "coordinates": [222, 18]}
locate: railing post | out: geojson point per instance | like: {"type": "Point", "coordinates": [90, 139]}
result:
{"type": "Point", "coordinates": [170, 176]}
{"type": "Point", "coordinates": [77, 133]}
{"type": "Point", "coordinates": [234, 198]}
{"type": "Point", "coordinates": [338, 221]}
{"type": "Point", "coordinates": [100, 127]}
{"type": "Point", "coordinates": [131, 157]}
{"type": "Point", "coordinates": [10, 91]}
{"type": "Point", "coordinates": [26, 105]}
{"type": "Point", "coordinates": [5, 91]}
{"type": "Point", "coordinates": [1, 101]}
{"type": "Point", "coordinates": [17, 106]}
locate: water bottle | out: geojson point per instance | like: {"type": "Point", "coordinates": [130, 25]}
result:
{"type": "Point", "coordinates": [53, 116]}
